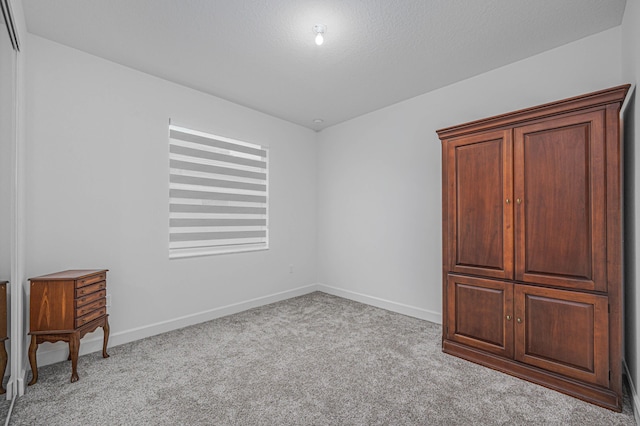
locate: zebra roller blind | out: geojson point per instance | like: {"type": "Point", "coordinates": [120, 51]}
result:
{"type": "Point", "coordinates": [218, 194]}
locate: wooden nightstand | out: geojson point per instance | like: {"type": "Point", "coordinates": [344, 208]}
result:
{"type": "Point", "coordinates": [64, 307]}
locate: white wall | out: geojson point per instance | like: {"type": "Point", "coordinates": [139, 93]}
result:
{"type": "Point", "coordinates": [379, 175]}
{"type": "Point", "coordinates": [7, 144]}
{"type": "Point", "coordinates": [631, 74]}
{"type": "Point", "coordinates": [97, 194]}
{"type": "Point", "coordinates": [7, 132]}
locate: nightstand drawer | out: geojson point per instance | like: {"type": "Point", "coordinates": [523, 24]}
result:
{"type": "Point", "coordinates": [90, 298]}
{"type": "Point", "coordinates": [84, 310]}
{"type": "Point", "coordinates": [90, 280]}
{"type": "Point", "coordinates": [90, 317]}
{"type": "Point", "coordinates": [82, 291]}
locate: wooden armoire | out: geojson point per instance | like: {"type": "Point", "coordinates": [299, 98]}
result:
{"type": "Point", "coordinates": [532, 244]}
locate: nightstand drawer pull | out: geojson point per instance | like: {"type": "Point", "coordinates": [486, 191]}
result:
{"type": "Point", "coordinates": [91, 288]}
{"type": "Point", "coordinates": [90, 298]}
{"type": "Point", "coordinates": [90, 280]}
{"type": "Point", "coordinates": [90, 317]}
{"type": "Point", "coordinates": [91, 307]}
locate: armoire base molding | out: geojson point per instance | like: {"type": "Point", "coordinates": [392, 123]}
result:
{"type": "Point", "coordinates": [593, 394]}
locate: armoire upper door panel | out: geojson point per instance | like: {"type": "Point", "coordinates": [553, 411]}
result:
{"type": "Point", "coordinates": [479, 194]}
{"type": "Point", "coordinates": [559, 189]}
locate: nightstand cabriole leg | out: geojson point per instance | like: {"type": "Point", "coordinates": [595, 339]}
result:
{"type": "Point", "coordinates": [106, 329]}
{"type": "Point", "coordinates": [74, 346]}
{"type": "Point", "coordinates": [3, 365]}
{"type": "Point", "coordinates": [33, 347]}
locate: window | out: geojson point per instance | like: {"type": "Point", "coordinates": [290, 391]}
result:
{"type": "Point", "coordinates": [218, 194]}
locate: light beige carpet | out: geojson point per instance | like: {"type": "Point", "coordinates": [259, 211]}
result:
{"type": "Point", "coordinates": [311, 360]}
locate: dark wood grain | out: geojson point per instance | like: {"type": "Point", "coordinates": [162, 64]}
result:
{"type": "Point", "coordinates": [604, 397]}
{"type": "Point", "coordinates": [74, 274]}
{"type": "Point", "coordinates": [614, 246]}
{"type": "Point", "coordinates": [560, 270]}
{"type": "Point", "coordinates": [480, 221]}
{"type": "Point", "coordinates": [560, 179]}
{"type": "Point", "coordinates": [481, 313]}
{"type": "Point", "coordinates": [64, 307]}
{"type": "Point", "coordinates": [598, 100]}
{"type": "Point", "coordinates": [564, 332]}
{"type": "Point", "coordinates": [52, 306]}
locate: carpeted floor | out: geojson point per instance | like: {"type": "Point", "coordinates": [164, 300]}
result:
{"type": "Point", "coordinates": [315, 359]}
{"type": "Point", "coordinates": [4, 407]}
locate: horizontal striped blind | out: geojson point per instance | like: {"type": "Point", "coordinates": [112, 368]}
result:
{"type": "Point", "coordinates": [218, 194]}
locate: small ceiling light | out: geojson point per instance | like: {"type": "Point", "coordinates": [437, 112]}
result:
{"type": "Point", "coordinates": [318, 120]}
{"type": "Point", "coordinates": [319, 30]}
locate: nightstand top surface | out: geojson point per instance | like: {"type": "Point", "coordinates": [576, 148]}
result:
{"type": "Point", "coordinates": [71, 274]}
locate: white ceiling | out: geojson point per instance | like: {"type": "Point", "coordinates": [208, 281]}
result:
{"type": "Point", "coordinates": [261, 53]}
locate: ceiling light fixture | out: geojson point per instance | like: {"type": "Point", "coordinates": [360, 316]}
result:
{"type": "Point", "coordinates": [318, 120]}
{"type": "Point", "coordinates": [319, 31]}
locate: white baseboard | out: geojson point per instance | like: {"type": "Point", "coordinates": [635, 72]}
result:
{"type": "Point", "coordinates": [389, 305]}
{"type": "Point", "coordinates": [92, 342]}
{"type": "Point", "coordinates": [15, 386]}
{"type": "Point", "coordinates": [21, 382]}
{"type": "Point", "coordinates": [635, 398]}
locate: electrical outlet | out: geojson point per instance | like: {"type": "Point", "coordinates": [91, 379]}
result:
{"type": "Point", "coordinates": [108, 300]}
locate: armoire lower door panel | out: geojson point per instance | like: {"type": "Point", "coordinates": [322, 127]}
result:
{"type": "Point", "coordinates": [479, 314]}
{"type": "Point", "coordinates": [563, 331]}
